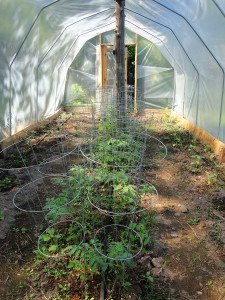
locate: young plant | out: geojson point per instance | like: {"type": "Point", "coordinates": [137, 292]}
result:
{"type": "Point", "coordinates": [1, 215]}
{"type": "Point", "coordinates": [7, 183]}
{"type": "Point", "coordinates": [197, 164]}
{"type": "Point", "coordinates": [193, 221]}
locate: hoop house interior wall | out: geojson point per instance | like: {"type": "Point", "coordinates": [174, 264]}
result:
{"type": "Point", "coordinates": [40, 39]}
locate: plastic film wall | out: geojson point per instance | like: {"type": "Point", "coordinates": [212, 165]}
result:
{"type": "Point", "coordinates": [155, 76]}
{"type": "Point", "coordinates": [36, 51]}
{"type": "Point", "coordinates": [39, 40]}
{"type": "Point", "coordinates": [190, 34]}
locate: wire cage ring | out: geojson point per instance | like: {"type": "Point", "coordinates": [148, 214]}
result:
{"type": "Point", "coordinates": [122, 256]}
{"type": "Point", "coordinates": [51, 232]}
{"type": "Point", "coordinates": [144, 205]}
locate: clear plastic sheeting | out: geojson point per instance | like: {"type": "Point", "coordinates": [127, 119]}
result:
{"type": "Point", "coordinates": [81, 76]}
{"type": "Point", "coordinates": [196, 28]}
{"type": "Point", "coordinates": [155, 76]}
{"type": "Point", "coordinates": [145, 71]}
{"type": "Point", "coordinates": [31, 80]}
{"type": "Point", "coordinates": [40, 39]}
{"type": "Point", "coordinates": [108, 38]}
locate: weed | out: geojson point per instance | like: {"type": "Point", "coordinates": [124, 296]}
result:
{"type": "Point", "coordinates": [64, 288]}
{"type": "Point", "coordinates": [207, 148]}
{"type": "Point", "coordinates": [197, 164]}
{"type": "Point", "coordinates": [194, 261]}
{"type": "Point", "coordinates": [209, 283]}
{"type": "Point", "coordinates": [149, 277]}
{"type": "Point", "coordinates": [213, 180]}
{"type": "Point", "coordinates": [192, 146]}
{"type": "Point", "coordinates": [63, 116]}
{"type": "Point", "coordinates": [193, 221]}
{"type": "Point", "coordinates": [21, 285]}
{"type": "Point", "coordinates": [23, 230]}
{"type": "Point", "coordinates": [1, 215]}
{"type": "Point", "coordinates": [216, 233]}
{"type": "Point", "coordinates": [7, 183]}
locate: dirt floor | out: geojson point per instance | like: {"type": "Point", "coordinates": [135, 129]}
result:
{"type": "Point", "coordinates": [187, 260]}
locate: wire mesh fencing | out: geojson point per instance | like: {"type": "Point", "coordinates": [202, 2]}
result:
{"type": "Point", "coordinates": [87, 191]}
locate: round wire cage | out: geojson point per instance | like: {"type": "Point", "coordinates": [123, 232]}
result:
{"type": "Point", "coordinates": [61, 163]}
{"type": "Point", "coordinates": [61, 238]}
{"type": "Point", "coordinates": [122, 196]}
{"type": "Point", "coordinates": [118, 242]}
{"type": "Point", "coordinates": [24, 157]}
{"type": "Point", "coordinates": [48, 193]}
{"type": "Point", "coordinates": [129, 151]}
{"type": "Point", "coordinates": [126, 101]}
{"type": "Point", "coordinates": [113, 145]}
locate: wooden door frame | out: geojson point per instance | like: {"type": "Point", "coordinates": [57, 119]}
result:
{"type": "Point", "coordinates": [104, 48]}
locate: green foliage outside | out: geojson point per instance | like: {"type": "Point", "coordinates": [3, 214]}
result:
{"type": "Point", "coordinates": [79, 95]}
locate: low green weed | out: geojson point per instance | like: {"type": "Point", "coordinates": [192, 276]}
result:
{"type": "Point", "coordinates": [6, 183]}
{"type": "Point", "coordinates": [1, 215]}
{"type": "Point", "coordinates": [193, 221]}
{"type": "Point", "coordinates": [197, 164]}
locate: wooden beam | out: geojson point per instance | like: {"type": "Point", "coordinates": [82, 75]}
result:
{"type": "Point", "coordinates": [125, 78]}
{"type": "Point", "coordinates": [103, 66]}
{"type": "Point", "coordinates": [217, 146]}
{"type": "Point", "coordinates": [120, 53]}
{"type": "Point", "coordinates": [22, 134]}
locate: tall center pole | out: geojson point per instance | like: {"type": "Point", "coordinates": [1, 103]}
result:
{"type": "Point", "coordinates": [120, 56]}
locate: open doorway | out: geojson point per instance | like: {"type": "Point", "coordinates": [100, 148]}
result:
{"type": "Point", "coordinates": [131, 64]}
{"type": "Point", "coordinates": [107, 68]}
{"type": "Point", "coordinates": [108, 65]}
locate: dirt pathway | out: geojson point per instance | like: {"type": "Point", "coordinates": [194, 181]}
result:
{"type": "Point", "coordinates": [190, 236]}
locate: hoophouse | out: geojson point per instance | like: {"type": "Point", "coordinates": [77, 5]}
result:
{"type": "Point", "coordinates": [112, 149]}
{"type": "Point", "coordinates": [51, 48]}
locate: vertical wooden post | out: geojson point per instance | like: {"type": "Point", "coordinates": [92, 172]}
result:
{"type": "Point", "coordinates": [120, 55]}
{"type": "Point", "coordinates": [125, 88]}
{"type": "Point", "coordinates": [136, 77]}
{"type": "Point", "coordinates": [103, 66]}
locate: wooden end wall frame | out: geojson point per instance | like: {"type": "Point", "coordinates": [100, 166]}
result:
{"type": "Point", "coordinates": [104, 65]}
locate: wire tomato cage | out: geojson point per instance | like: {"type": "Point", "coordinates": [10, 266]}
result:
{"type": "Point", "coordinates": [134, 197]}
{"type": "Point", "coordinates": [118, 242]}
{"type": "Point", "coordinates": [61, 239]}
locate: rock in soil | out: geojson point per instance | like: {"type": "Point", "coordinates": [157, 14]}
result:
{"type": "Point", "coordinates": [183, 209]}
{"type": "Point", "coordinates": [177, 215]}
{"type": "Point", "coordinates": [156, 272]}
{"type": "Point", "coordinates": [158, 262]}
{"type": "Point", "coordinates": [145, 260]}
{"type": "Point", "coordinates": [219, 203]}
{"type": "Point", "coordinates": [174, 234]}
